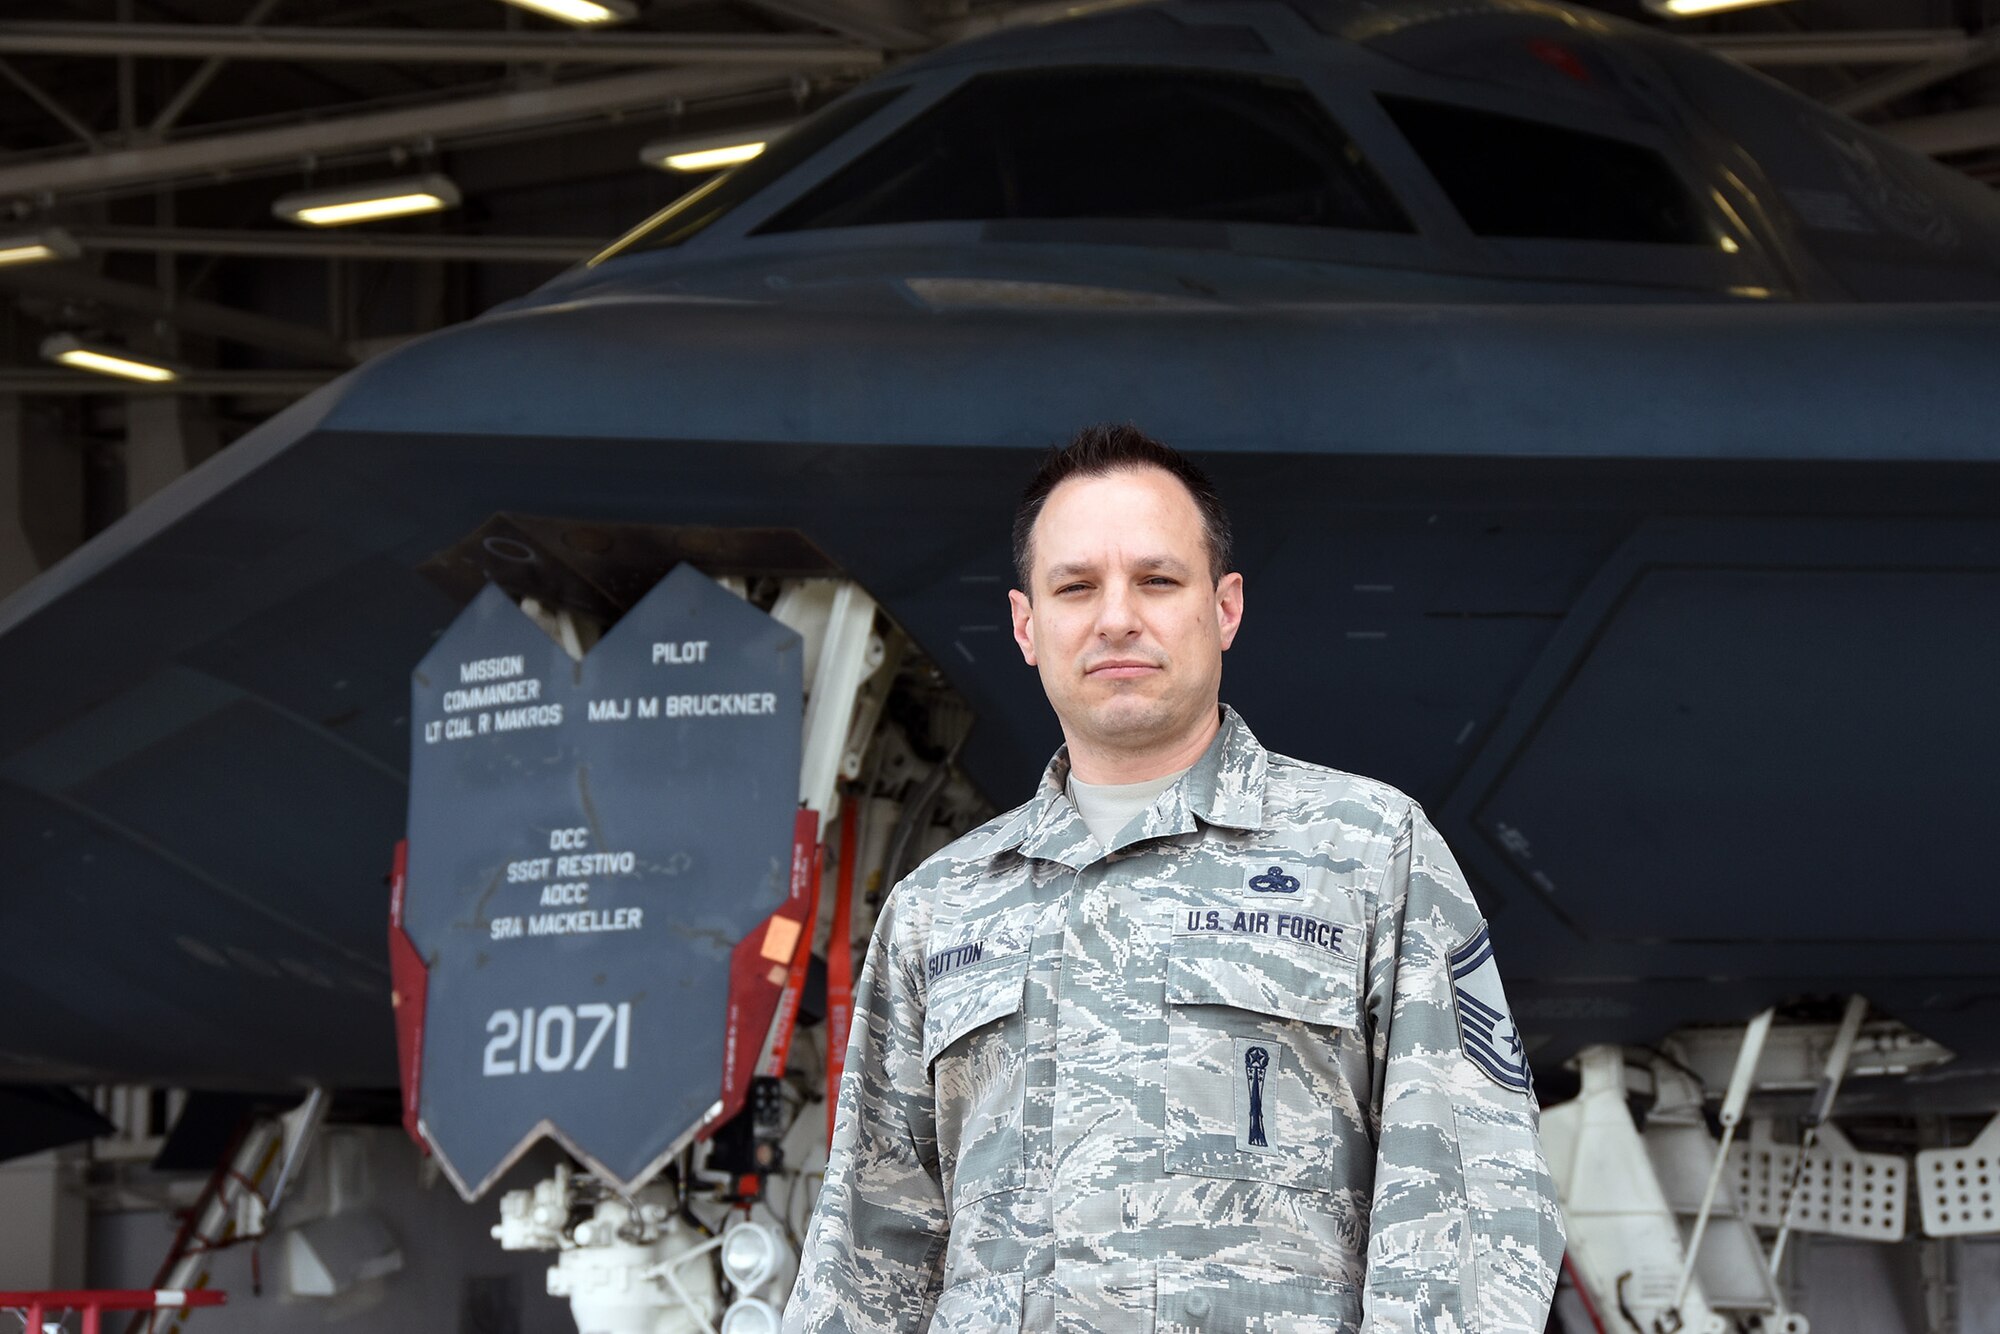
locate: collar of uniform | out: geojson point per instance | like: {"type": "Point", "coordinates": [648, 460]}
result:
{"type": "Point", "coordinates": [1225, 787]}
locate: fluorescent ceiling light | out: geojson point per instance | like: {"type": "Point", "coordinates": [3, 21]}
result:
{"type": "Point", "coordinates": [73, 351]}
{"type": "Point", "coordinates": [1687, 9]}
{"type": "Point", "coordinates": [36, 247]}
{"type": "Point", "coordinates": [583, 13]}
{"type": "Point", "coordinates": [708, 159]}
{"type": "Point", "coordinates": [710, 152]}
{"type": "Point", "coordinates": [368, 201]}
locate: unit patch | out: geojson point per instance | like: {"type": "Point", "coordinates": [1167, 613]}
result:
{"type": "Point", "coordinates": [1486, 1031]}
{"type": "Point", "coordinates": [1251, 922]}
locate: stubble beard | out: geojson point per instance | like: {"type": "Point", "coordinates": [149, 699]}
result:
{"type": "Point", "coordinates": [1128, 722]}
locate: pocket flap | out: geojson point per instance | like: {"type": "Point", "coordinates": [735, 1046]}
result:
{"type": "Point", "coordinates": [961, 1001]}
{"type": "Point", "coordinates": [1268, 976]}
{"type": "Point", "coordinates": [980, 1306]}
{"type": "Point", "coordinates": [1205, 1295]}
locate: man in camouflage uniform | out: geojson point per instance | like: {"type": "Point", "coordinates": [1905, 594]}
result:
{"type": "Point", "coordinates": [1239, 1062]}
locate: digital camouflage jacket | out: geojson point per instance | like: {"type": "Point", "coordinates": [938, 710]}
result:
{"type": "Point", "coordinates": [1249, 1070]}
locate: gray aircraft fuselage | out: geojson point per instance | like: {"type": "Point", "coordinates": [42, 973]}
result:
{"type": "Point", "coordinates": [1658, 556]}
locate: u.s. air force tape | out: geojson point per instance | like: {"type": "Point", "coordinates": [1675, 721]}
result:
{"type": "Point", "coordinates": [1260, 922]}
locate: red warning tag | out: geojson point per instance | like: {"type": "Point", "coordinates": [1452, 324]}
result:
{"type": "Point", "coordinates": [409, 981]}
{"type": "Point", "coordinates": [761, 993]}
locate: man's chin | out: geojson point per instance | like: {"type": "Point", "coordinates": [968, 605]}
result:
{"type": "Point", "coordinates": [1131, 721]}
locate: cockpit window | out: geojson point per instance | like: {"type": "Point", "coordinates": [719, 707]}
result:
{"type": "Point", "coordinates": [1509, 177]}
{"type": "Point", "coordinates": [705, 203]}
{"type": "Point", "coordinates": [1115, 144]}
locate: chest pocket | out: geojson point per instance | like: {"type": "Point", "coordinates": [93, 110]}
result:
{"type": "Point", "coordinates": [975, 1047]}
{"type": "Point", "coordinates": [1264, 1064]}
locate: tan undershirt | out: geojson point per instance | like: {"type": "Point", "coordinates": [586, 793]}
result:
{"type": "Point", "coordinates": [1107, 808]}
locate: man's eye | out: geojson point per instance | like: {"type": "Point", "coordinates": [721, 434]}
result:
{"type": "Point", "coordinates": [1068, 588]}
{"type": "Point", "coordinates": [1162, 580]}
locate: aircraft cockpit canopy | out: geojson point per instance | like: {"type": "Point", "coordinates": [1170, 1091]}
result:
{"type": "Point", "coordinates": [1483, 145]}
{"type": "Point", "coordinates": [1140, 144]}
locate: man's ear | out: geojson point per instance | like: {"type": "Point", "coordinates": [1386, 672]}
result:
{"type": "Point", "coordinates": [1229, 607]}
{"type": "Point", "coordinates": [1022, 612]}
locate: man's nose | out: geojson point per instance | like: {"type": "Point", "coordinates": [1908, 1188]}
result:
{"type": "Point", "coordinates": [1118, 614]}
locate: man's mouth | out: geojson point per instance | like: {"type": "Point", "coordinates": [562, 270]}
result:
{"type": "Point", "coordinates": [1121, 669]}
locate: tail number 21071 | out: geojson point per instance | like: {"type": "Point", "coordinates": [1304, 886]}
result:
{"type": "Point", "coordinates": [556, 1037]}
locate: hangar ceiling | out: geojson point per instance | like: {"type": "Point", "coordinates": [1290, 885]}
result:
{"type": "Point", "coordinates": [158, 135]}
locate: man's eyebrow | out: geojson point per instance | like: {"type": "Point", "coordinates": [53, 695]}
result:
{"type": "Point", "coordinates": [1068, 570]}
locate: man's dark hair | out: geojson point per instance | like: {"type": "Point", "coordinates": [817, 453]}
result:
{"type": "Point", "coordinates": [1098, 451]}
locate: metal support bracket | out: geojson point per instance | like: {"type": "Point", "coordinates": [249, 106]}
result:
{"type": "Point", "coordinates": [1840, 1191]}
{"type": "Point", "coordinates": [1624, 1237]}
{"type": "Point", "coordinates": [1822, 1107]}
{"type": "Point", "coordinates": [1958, 1190]}
{"type": "Point", "coordinates": [837, 620]}
{"type": "Point", "coordinates": [1729, 1259]}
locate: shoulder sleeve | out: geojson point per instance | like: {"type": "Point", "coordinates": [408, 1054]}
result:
{"type": "Point", "coordinates": [1466, 1234]}
{"type": "Point", "coordinates": [873, 1253]}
